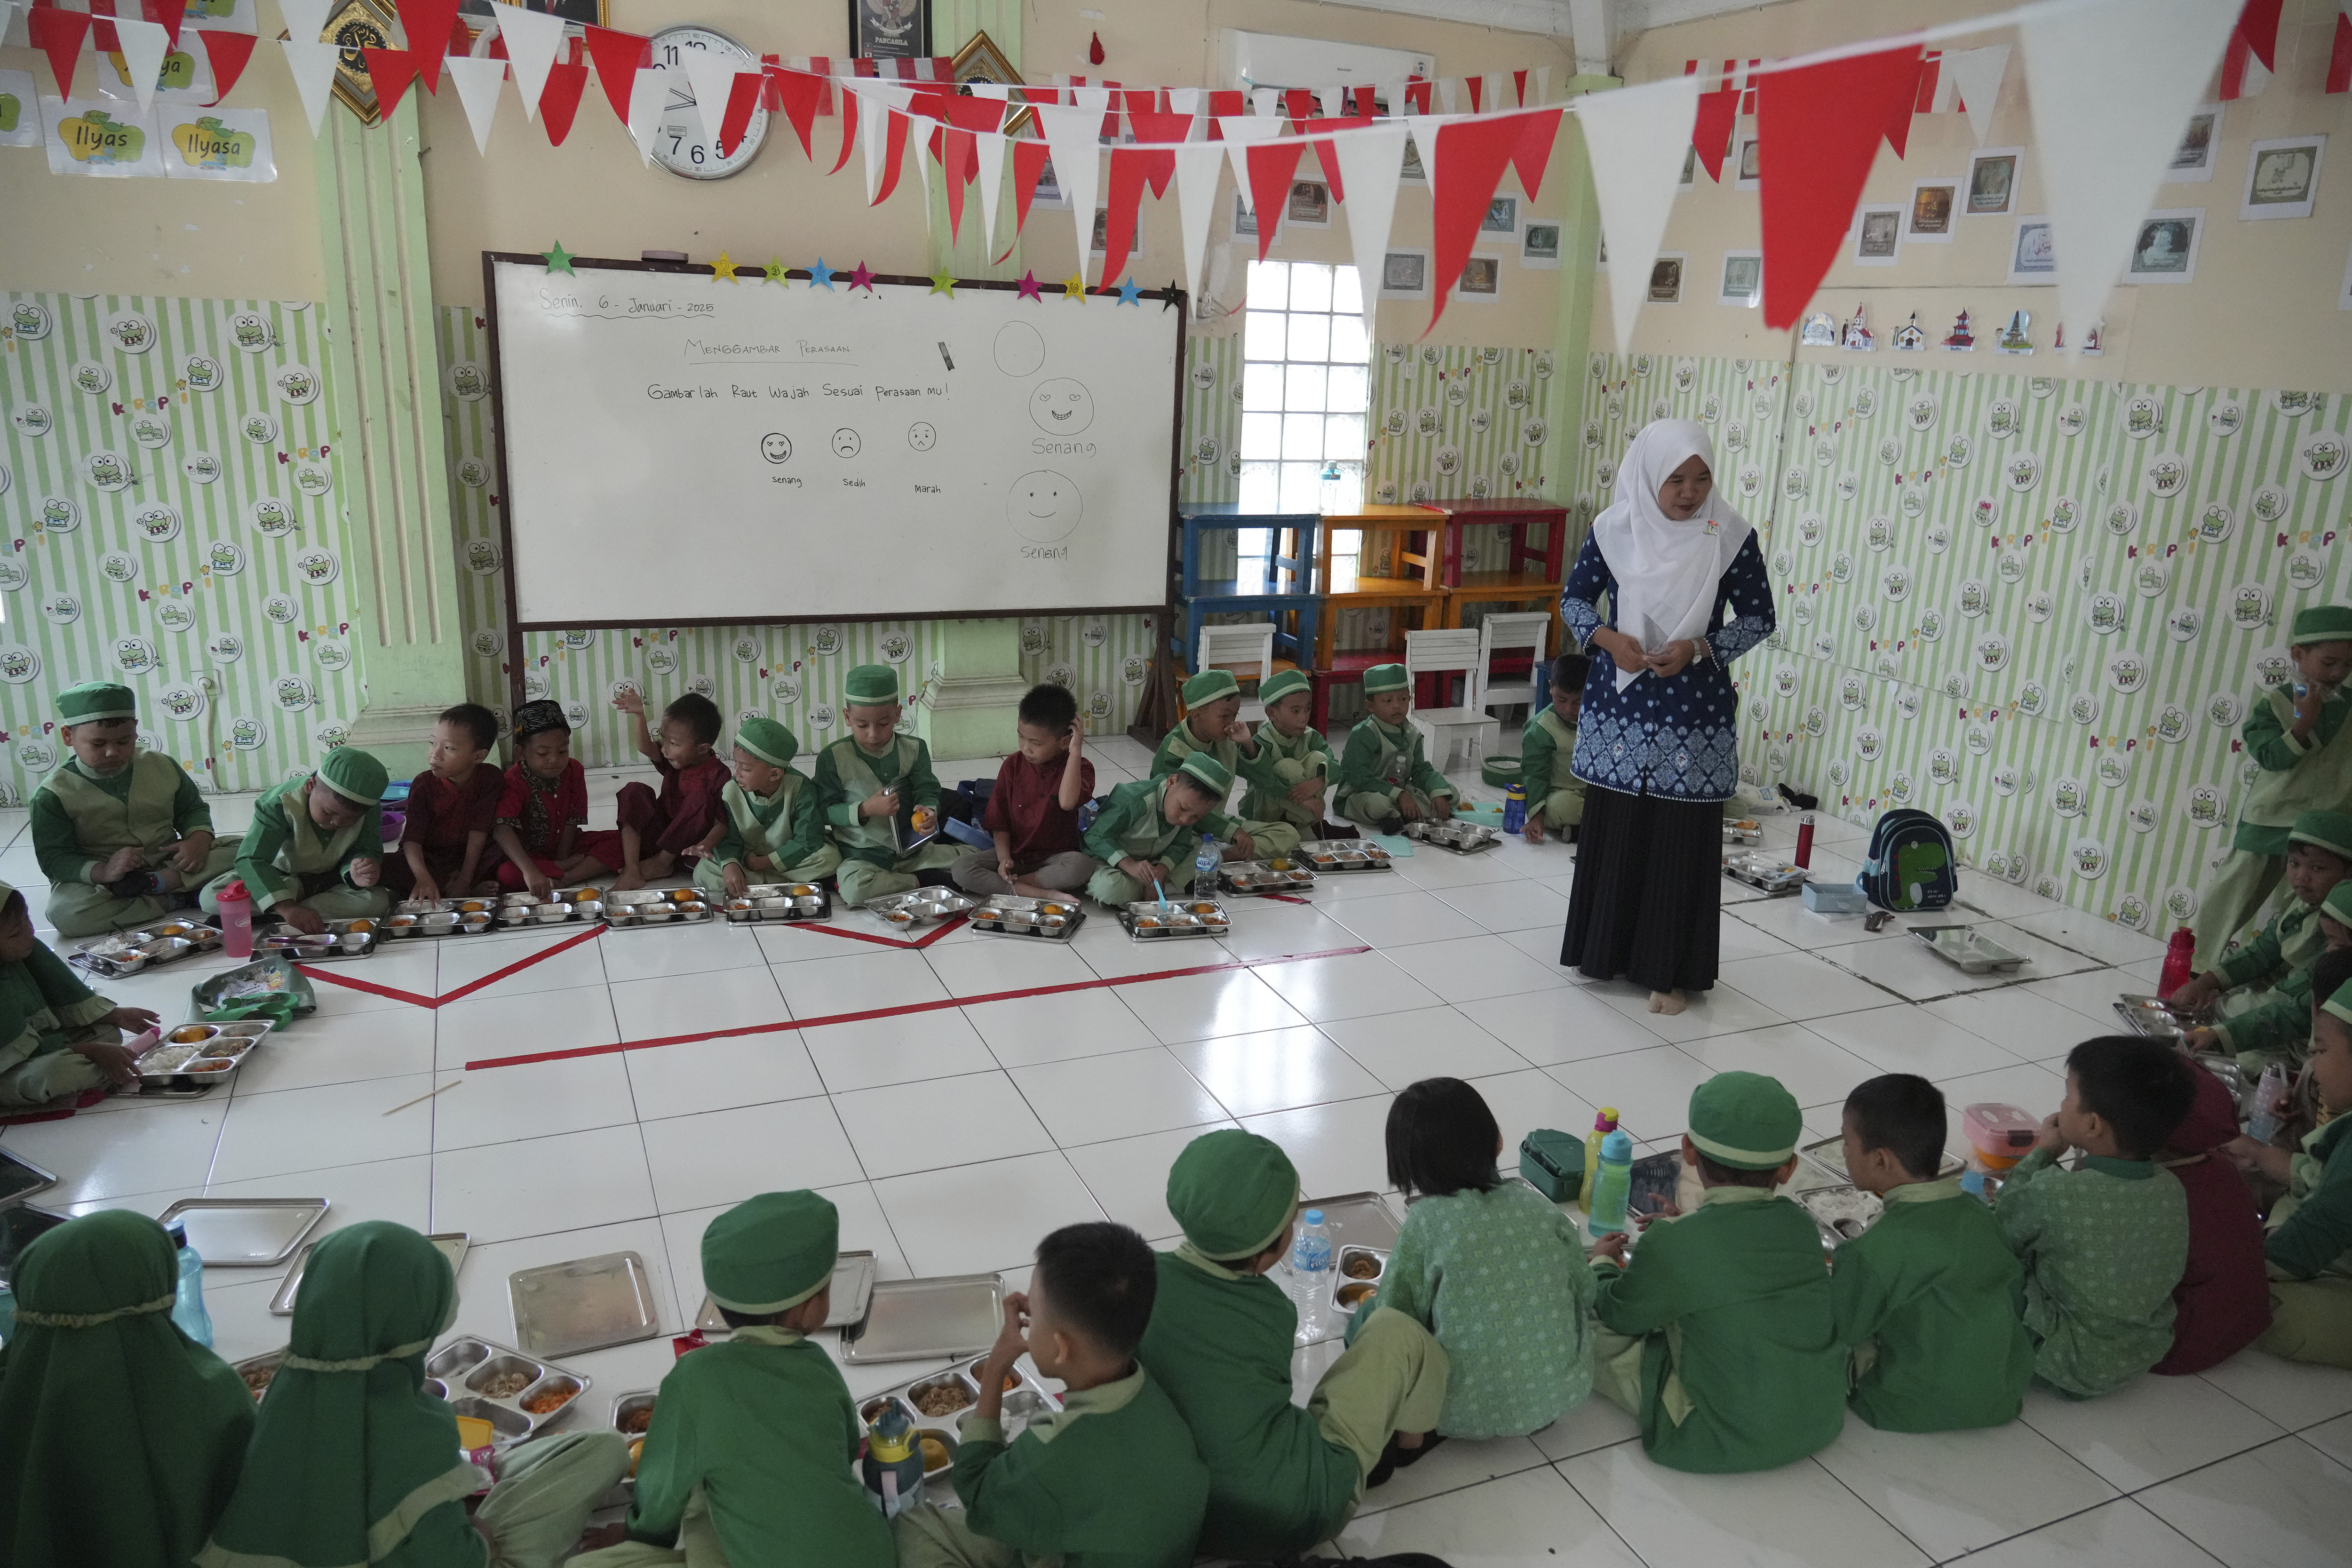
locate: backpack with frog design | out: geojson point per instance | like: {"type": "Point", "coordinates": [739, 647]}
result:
{"type": "Point", "coordinates": [1911, 866]}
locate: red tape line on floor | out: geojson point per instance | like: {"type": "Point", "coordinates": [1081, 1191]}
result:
{"type": "Point", "coordinates": [909, 1007]}
{"type": "Point", "coordinates": [917, 944]}
{"type": "Point", "coordinates": [354, 983]}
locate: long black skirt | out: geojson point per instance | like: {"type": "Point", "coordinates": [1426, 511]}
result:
{"type": "Point", "coordinates": [1644, 904]}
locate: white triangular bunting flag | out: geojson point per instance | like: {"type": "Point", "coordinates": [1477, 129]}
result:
{"type": "Point", "coordinates": [1543, 84]}
{"type": "Point", "coordinates": [1447, 88]}
{"type": "Point", "coordinates": [991, 149]}
{"type": "Point", "coordinates": [312, 66]}
{"type": "Point", "coordinates": [477, 80]}
{"type": "Point", "coordinates": [1072, 135]}
{"type": "Point", "coordinates": [1197, 166]}
{"type": "Point", "coordinates": [1425, 129]}
{"type": "Point", "coordinates": [1369, 163]}
{"type": "Point", "coordinates": [1186, 101]}
{"type": "Point", "coordinates": [2109, 103]}
{"type": "Point", "coordinates": [713, 77]}
{"type": "Point", "coordinates": [1636, 140]}
{"type": "Point", "coordinates": [919, 152]}
{"type": "Point", "coordinates": [533, 40]}
{"type": "Point", "coordinates": [649, 96]}
{"type": "Point", "coordinates": [143, 45]}
{"type": "Point", "coordinates": [877, 101]}
{"type": "Point", "coordinates": [1265, 101]}
{"type": "Point", "coordinates": [1240, 130]}
{"type": "Point", "coordinates": [1975, 75]}
{"type": "Point", "coordinates": [306, 20]}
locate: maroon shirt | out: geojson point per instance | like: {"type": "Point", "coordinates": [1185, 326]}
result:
{"type": "Point", "coordinates": [2223, 1299]}
{"type": "Point", "coordinates": [689, 803]}
{"type": "Point", "coordinates": [440, 814]}
{"type": "Point", "coordinates": [1026, 805]}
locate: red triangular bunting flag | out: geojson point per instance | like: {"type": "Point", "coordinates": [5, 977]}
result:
{"type": "Point", "coordinates": [1820, 126]}
{"type": "Point", "coordinates": [1931, 71]}
{"type": "Point", "coordinates": [167, 14]}
{"type": "Point", "coordinates": [1128, 168]}
{"type": "Point", "coordinates": [1718, 111]}
{"type": "Point", "coordinates": [59, 34]}
{"type": "Point", "coordinates": [1299, 103]}
{"type": "Point", "coordinates": [2258, 24]}
{"type": "Point", "coordinates": [850, 116]}
{"type": "Point", "coordinates": [1478, 91]}
{"type": "Point", "coordinates": [741, 99]}
{"type": "Point", "coordinates": [617, 55]}
{"type": "Point", "coordinates": [798, 93]}
{"type": "Point", "coordinates": [1271, 165]}
{"type": "Point", "coordinates": [950, 147]}
{"type": "Point", "coordinates": [391, 70]}
{"type": "Point", "coordinates": [1519, 82]}
{"type": "Point", "coordinates": [1161, 166]}
{"type": "Point", "coordinates": [2340, 59]}
{"type": "Point", "coordinates": [1533, 154]}
{"type": "Point", "coordinates": [559, 101]}
{"type": "Point", "coordinates": [1327, 155]}
{"type": "Point", "coordinates": [1416, 96]}
{"type": "Point", "coordinates": [227, 54]}
{"type": "Point", "coordinates": [894, 155]}
{"type": "Point", "coordinates": [427, 25]}
{"type": "Point", "coordinates": [1898, 129]}
{"type": "Point", "coordinates": [1471, 157]}
{"type": "Point", "coordinates": [1029, 156]}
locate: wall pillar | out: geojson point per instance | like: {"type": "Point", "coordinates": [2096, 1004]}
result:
{"type": "Point", "coordinates": [1572, 341]}
{"type": "Point", "coordinates": [393, 469]}
{"type": "Point", "coordinates": [975, 700]}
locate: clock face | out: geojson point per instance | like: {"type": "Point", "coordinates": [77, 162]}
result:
{"type": "Point", "coordinates": [683, 144]}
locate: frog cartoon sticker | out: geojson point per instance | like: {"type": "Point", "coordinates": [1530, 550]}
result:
{"type": "Point", "coordinates": [1961, 819]}
{"type": "Point", "coordinates": [1710, 408]}
{"type": "Point", "coordinates": [2001, 418]}
{"type": "Point", "coordinates": [1784, 681]}
{"type": "Point", "coordinates": [1867, 743]}
{"type": "Point", "coordinates": [203, 468]}
{"type": "Point", "coordinates": [181, 702]}
{"type": "Point", "coordinates": [2250, 606]}
{"type": "Point", "coordinates": [2322, 457]}
{"type": "Point", "coordinates": [2088, 856]}
{"type": "Point", "coordinates": [1793, 484]}
{"type": "Point", "coordinates": [2072, 419]}
{"type": "Point", "coordinates": [313, 479]}
{"type": "Point", "coordinates": [2023, 471]}
{"type": "Point", "coordinates": [1533, 431]}
{"type": "Point", "coordinates": [2085, 708]}
{"type": "Point", "coordinates": [157, 524]}
{"type": "Point", "coordinates": [2202, 805]}
{"type": "Point", "coordinates": [333, 653]}
{"type": "Point", "coordinates": [283, 611]}
{"type": "Point", "coordinates": [785, 689]}
{"type": "Point", "coordinates": [199, 373]}
{"type": "Point", "coordinates": [2064, 512]}
{"type": "Point", "coordinates": [1842, 567]}
{"type": "Point", "coordinates": [1943, 765]}
{"type": "Point", "coordinates": [224, 559]}
{"type": "Point", "coordinates": [2132, 911]}
{"type": "Point", "coordinates": [33, 419]}
{"type": "Point", "coordinates": [1447, 461]}
{"type": "Point", "coordinates": [1986, 511]}
{"type": "Point", "coordinates": [1866, 618]}
{"type": "Point", "coordinates": [1751, 481]}
{"type": "Point", "coordinates": [2032, 698]}
{"type": "Point", "coordinates": [18, 664]}
{"type": "Point", "coordinates": [1734, 436]}
{"type": "Point", "coordinates": [318, 567]}
{"type": "Point", "coordinates": [481, 557]}
{"type": "Point", "coordinates": [148, 430]}
{"type": "Point", "coordinates": [2181, 902]}
{"type": "Point", "coordinates": [1956, 686]}
{"type": "Point", "coordinates": [2304, 570]}
{"type": "Point", "coordinates": [1850, 691]}
{"type": "Point", "coordinates": [133, 656]}
{"type": "Point", "coordinates": [59, 514]}
{"type": "Point", "coordinates": [2295, 404]}
{"type": "Point", "coordinates": [261, 429]}
{"type": "Point", "coordinates": [487, 643]}
{"type": "Point", "coordinates": [2273, 670]}
{"type": "Point", "coordinates": [2068, 797]}
{"type": "Point", "coordinates": [2112, 770]}
{"type": "Point", "coordinates": [2005, 780]}
{"type": "Point", "coordinates": [1931, 625]}
{"type": "Point", "coordinates": [1604, 474]}
{"type": "Point", "coordinates": [1890, 451]}
{"type": "Point", "coordinates": [1912, 501]}
{"type": "Point", "coordinates": [13, 578]}
{"type": "Point", "coordinates": [61, 609]}
{"type": "Point", "coordinates": [2223, 711]}
{"type": "Point", "coordinates": [2143, 416]}
{"type": "Point", "coordinates": [251, 332]}
{"type": "Point", "coordinates": [2172, 725]}
{"type": "Point", "coordinates": [1939, 538]}
{"type": "Point", "coordinates": [2104, 611]}
{"type": "Point", "coordinates": [1899, 788]}
{"type": "Point", "coordinates": [175, 616]}
{"type": "Point", "coordinates": [29, 320]}
{"type": "Point", "coordinates": [1824, 452]}
{"type": "Point", "coordinates": [1920, 411]}
{"type": "Point", "coordinates": [2009, 567]}
{"type": "Point", "coordinates": [1992, 653]}
{"type": "Point", "coordinates": [2184, 624]}
{"type": "Point", "coordinates": [2122, 519]}
{"type": "Point", "coordinates": [2154, 576]}
{"type": "Point", "coordinates": [2167, 475]}
{"type": "Point", "coordinates": [1816, 722]}
{"type": "Point", "coordinates": [225, 648]}
{"type": "Point", "coordinates": [2040, 607]}
{"type": "Point", "coordinates": [2127, 672]}
{"type": "Point", "coordinates": [1895, 584]}
{"type": "Point", "coordinates": [660, 658]}
{"type": "Point", "coordinates": [92, 377]}
{"type": "Point", "coordinates": [130, 331]}
{"type": "Point", "coordinates": [107, 470]}
{"type": "Point", "coordinates": [2143, 815]}
{"type": "Point", "coordinates": [293, 693]}
{"type": "Point", "coordinates": [2224, 419]}
{"type": "Point", "coordinates": [296, 384]}
{"type": "Point", "coordinates": [2269, 503]}
{"type": "Point", "coordinates": [1975, 598]}
{"type": "Point", "coordinates": [35, 756]}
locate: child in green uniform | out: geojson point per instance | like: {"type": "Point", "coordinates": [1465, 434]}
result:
{"type": "Point", "coordinates": [751, 1457]}
{"type": "Point", "coordinates": [2309, 1248]}
{"type": "Point", "coordinates": [352, 1462]}
{"type": "Point", "coordinates": [1151, 830]}
{"type": "Point", "coordinates": [1927, 1299]}
{"type": "Point", "coordinates": [2104, 1244]}
{"type": "Point", "coordinates": [2304, 754]}
{"type": "Point", "coordinates": [2264, 987]}
{"type": "Point", "coordinates": [1212, 704]}
{"type": "Point", "coordinates": [1288, 789]}
{"type": "Point", "coordinates": [1493, 1270]}
{"type": "Point", "coordinates": [1719, 1336]}
{"type": "Point", "coordinates": [774, 831]}
{"type": "Point", "coordinates": [1385, 781]}
{"type": "Point", "coordinates": [119, 832]}
{"type": "Point", "coordinates": [1280, 1479]}
{"type": "Point", "coordinates": [878, 790]}
{"type": "Point", "coordinates": [314, 852]}
{"type": "Point", "coordinates": [1555, 795]}
{"type": "Point", "coordinates": [58, 1039]}
{"type": "Point", "coordinates": [1110, 1480]}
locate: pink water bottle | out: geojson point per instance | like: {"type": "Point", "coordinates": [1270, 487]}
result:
{"type": "Point", "coordinates": [1805, 839]}
{"type": "Point", "coordinates": [2179, 962]}
{"type": "Point", "coordinates": [237, 920]}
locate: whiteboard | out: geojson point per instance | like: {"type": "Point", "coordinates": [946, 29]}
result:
{"type": "Point", "coordinates": [678, 449]}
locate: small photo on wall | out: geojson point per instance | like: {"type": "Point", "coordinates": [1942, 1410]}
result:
{"type": "Point", "coordinates": [1309, 205]}
{"type": "Point", "coordinates": [1404, 275]}
{"type": "Point", "coordinates": [1099, 243]}
{"type": "Point", "coordinates": [1750, 175]}
{"type": "Point", "coordinates": [1502, 219]}
{"type": "Point", "coordinates": [1743, 278]}
{"type": "Point", "coordinates": [1932, 203]}
{"type": "Point", "coordinates": [2166, 251]}
{"type": "Point", "coordinates": [1992, 181]}
{"type": "Point", "coordinates": [2031, 256]}
{"type": "Point", "coordinates": [1690, 169]}
{"type": "Point", "coordinates": [1667, 280]}
{"type": "Point", "coordinates": [2283, 177]}
{"type": "Point", "coordinates": [2192, 161]}
{"type": "Point", "coordinates": [1539, 247]}
{"type": "Point", "coordinates": [1049, 188]}
{"type": "Point", "coordinates": [1877, 235]}
{"type": "Point", "coordinates": [1481, 278]}
{"type": "Point", "coordinates": [1245, 218]}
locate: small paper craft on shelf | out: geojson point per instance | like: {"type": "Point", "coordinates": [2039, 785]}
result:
{"type": "Point", "coordinates": [1820, 330]}
{"type": "Point", "coordinates": [1961, 340]}
{"type": "Point", "coordinates": [2090, 349]}
{"type": "Point", "coordinates": [2015, 338]}
{"type": "Point", "coordinates": [1908, 337]}
{"type": "Point", "coordinates": [1857, 335]}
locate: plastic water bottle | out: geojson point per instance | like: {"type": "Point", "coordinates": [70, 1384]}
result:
{"type": "Point", "coordinates": [1615, 1181]}
{"type": "Point", "coordinates": [2262, 1121]}
{"type": "Point", "coordinates": [1804, 855]}
{"type": "Point", "coordinates": [1602, 1125]}
{"type": "Point", "coordinates": [1515, 809]}
{"type": "Point", "coordinates": [188, 1310]}
{"type": "Point", "coordinates": [2180, 959]}
{"type": "Point", "coordinates": [1204, 868]}
{"type": "Point", "coordinates": [235, 907]}
{"type": "Point", "coordinates": [1310, 1286]}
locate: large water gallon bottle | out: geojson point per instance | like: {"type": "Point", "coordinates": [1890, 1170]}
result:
{"type": "Point", "coordinates": [1607, 1215]}
{"type": "Point", "coordinates": [1204, 868]}
{"type": "Point", "coordinates": [236, 920]}
{"type": "Point", "coordinates": [2262, 1121]}
{"type": "Point", "coordinates": [1602, 1125]}
{"type": "Point", "coordinates": [188, 1310]}
{"type": "Point", "coordinates": [1309, 1281]}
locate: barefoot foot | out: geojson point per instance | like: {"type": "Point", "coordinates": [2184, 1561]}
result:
{"type": "Point", "coordinates": [1666, 1002]}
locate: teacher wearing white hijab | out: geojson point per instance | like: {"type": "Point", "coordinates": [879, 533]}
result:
{"type": "Point", "coordinates": [1657, 745]}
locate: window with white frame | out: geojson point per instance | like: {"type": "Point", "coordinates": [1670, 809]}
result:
{"type": "Point", "coordinates": [1305, 385]}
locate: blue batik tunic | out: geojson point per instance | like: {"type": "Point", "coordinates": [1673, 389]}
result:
{"type": "Point", "coordinates": [1673, 738]}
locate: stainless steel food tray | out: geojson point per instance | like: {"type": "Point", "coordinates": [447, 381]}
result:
{"type": "Point", "coordinates": [853, 1290]}
{"type": "Point", "coordinates": [1356, 1219]}
{"type": "Point", "coordinates": [232, 1043]}
{"type": "Point", "coordinates": [1844, 1229]}
{"type": "Point", "coordinates": [340, 940]}
{"type": "Point", "coordinates": [1823, 1165]}
{"type": "Point", "coordinates": [245, 1233]}
{"type": "Point", "coordinates": [20, 1179]}
{"type": "Point", "coordinates": [1332, 856]}
{"type": "Point", "coordinates": [1967, 950]}
{"type": "Point", "coordinates": [413, 918]}
{"type": "Point", "coordinates": [1148, 921]}
{"type": "Point", "coordinates": [254, 1366]}
{"type": "Point", "coordinates": [2149, 1015]}
{"type": "Point", "coordinates": [1734, 833]}
{"type": "Point", "coordinates": [1775, 875]}
{"type": "Point", "coordinates": [452, 1244]}
{"type": "Point", "coordinates": [127, 952]}
{"type": "Point", "coordinates": [902, 911]}
{"type": "Point", "coordinates": [1028, 1399]}
{"type": "Point", "coordinates": [1009, 914]}
{"type": "Point", "coordinates": [1342, 1279]}
{"type": "Point", "coordinates": [587, 1304]}
{"type": "Point", "coordinates": [954, 1315]}
{"type": "Point", "coordinates": [523, 910]}
{"type": "Point", "coordinates": [779, 901]}
{"type": "Point", "coordinates": [651, 909]}
{"type": "Point", "coordinates": [1257, 879]}
{"type": "Point", "coordinates": [19, 1223]}
{"type": "Point", "coordinates": [465, 1362]}
{"type": "Point", "coordinates": [1456, 837]}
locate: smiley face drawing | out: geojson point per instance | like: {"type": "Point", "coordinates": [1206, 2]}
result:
{"type": "Point", "coordinates": [1061, 406]}
{"type": "Point", "coordinates": [1020, 349]}
{"type": "Point", "coordinates": [846, 443]}
{"type": "Point", "coordinates": [922, 438]}
{"type": "Point", "coordinates": [1044, 506]}
{"type": "Point", "coordinates": [776, 447]}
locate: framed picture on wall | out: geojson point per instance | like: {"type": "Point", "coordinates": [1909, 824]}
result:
{"type": "Point", "coordinates": [2166, 249]}
{"type": "Point", "coordinates": [1750, 173]}
{"type": "Point", "coordinates": [1666, 278]}
{"type": "Point", "coordinates": [580, 13]}
{"type": "Point", "coordinates": [1539, 246]}
{"type": "Point", "coordinates": [1308, 206]}
{"type": "Point", "coordinates": [2283, 177]}
{"type": "Point", "coordinates": [1482, 280]}
{"type": "Point", "coordinates": [2031, 256]}
{"type": "Point", "coordinates": [2192, 161]}
{"type": "Point", "coordinates": [891, 29]}
{"type": "Point", "coordinates": [1049, 189]}
{"type": "Point", "coordinates": [1245, 218]}
{"type": "Point", "coordinates": [1992, 181]}
{"type": "Point", "coordinates": [1410, 169]}
{"type": "Point", "coordinates": [1102, 230]}
{"type": "Point", "coordinates": [1932, 202]}
{"type": "Point", "coordinates": [1877, 235]}
{"type": "Point", "coordinates": [1690, 169]}
{"type": "Point", "coordinates": [1404, 275]}
{"type": "Point", "coordinates": [1502, 219]}
{"type": "Point", "coordinates": [1743, 278]}
{"type": "Point", "coordinates": [980, 60]}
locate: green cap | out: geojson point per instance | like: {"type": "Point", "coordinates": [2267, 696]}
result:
{"type": "Point", "coordinates": [871, 684]}
{"type": "Point", "coordinates": [1232, 1193]}
{"type": "Point", "coordinates": [1386, 677]}
{"type": "Point", "coordinates": [2329, 830]}
{"type": "Point", "coordinates": [1204, 769]}
{"type": "Point", "coordinates": [1210, 684]}
{"type": "Point", "coordinates": [770, 1253]}
{"type": "Point", "coordinates": [95, 701]}
{"type": "Point", "coordinates": [353, 775]}
{"type": "Point", "coordinates": [2322, 623]}
{"type": "Point", "coordinates": [1745, 1120]}
{"type": "Point", "coordinates": [2337, 905]}
{"type": "Point", "coordinates": [1281, 684]}
{"type": "Point", "coordinates": [768, 740]}
{"type": "Point", "coordinates": [2340, 1004]}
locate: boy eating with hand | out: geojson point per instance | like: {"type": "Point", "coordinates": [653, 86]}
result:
{"type": "Point", "coordinates": [1555, 796]}
{"type": "Point", "coordinates": [878, 791]}
{"type": "Point", "coordinates": [2104, 1244]}
{"type": "Point", "coordinates": [1033, 811]}
{"type": "Point", "coordinates": [1295, 759]}
{"type": "Point", "coordinates": [1385, 780]}
{"type": "Point", "coordinates": [773, 830]}
{"type": "Point", "coordinates": [1110, 1480]}
{"type": "Point", "coordinates": [58, 1039]}
{"type": "Point", "coordinates": [2264, 987]}
{"type": "Point", "coordinates": [314, 852]}
{"type": "Point", "coordinates": [119, 832]}
{"type": "Point", "coordinates": [657, 832]}
{"type": "Point", "coordinates": [1149, 833]}
{"type": "Point", "coordinates": [1927, 1299]}
{"type": "Point", "coordinates": [544, 805]}
{"type": "Point", "coordinates": [453, 807]}
{"type": "Point", "coordinates": [1212, 723]}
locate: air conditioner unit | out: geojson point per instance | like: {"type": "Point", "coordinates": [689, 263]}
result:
{"type": "Point", "coordinates": [1271, 60]}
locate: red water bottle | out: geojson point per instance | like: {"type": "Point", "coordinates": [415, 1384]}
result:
{"type": "Point", "coordinates": [235, 907]}
{"type": "Point", "coordinates": [2179, 962]}
{"type": "Point", "coordinates": [1805, 841]}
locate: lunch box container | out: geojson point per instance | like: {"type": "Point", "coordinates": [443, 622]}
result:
{"type": "Point", "coordinates": [779, 901]}
{"type": "Point", "coordinates": [466, 1364]}
{"type": "Point", "coordinates": [1008, 914]}
{"type": "Point", "coordinates": [1258, 878]}
{"type": "Point", "coordinates": [903, 911]}
{"type": "Point", "coordinates": [1150, 920]}
{"type": "Point", "coordinates": [1460, 837]}
{"type": "Point", "coordinates": [173, 1066]}
{"type": "Point", "coordinates": [1328, 856]}
{"type": "Point", "coordinates": [126, 953]}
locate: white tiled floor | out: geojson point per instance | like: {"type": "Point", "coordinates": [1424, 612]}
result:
{"type": "Point", "coordinates": [951, 1138]}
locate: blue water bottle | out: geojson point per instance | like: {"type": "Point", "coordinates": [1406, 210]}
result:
{"type": "Point", "coordinates": [1204, 868]}
{"type": "Point", "coordinates": [1515, 809]}
{"type": "Point", "coordinates": [188, 1308]}
{"type": "Point", "coordinates": [1606, 1214]}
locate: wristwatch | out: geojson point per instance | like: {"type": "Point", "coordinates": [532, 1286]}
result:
{"type": "Point", "coordinates": [1706, 651]}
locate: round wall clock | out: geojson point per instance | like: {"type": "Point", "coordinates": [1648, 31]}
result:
{"type": "Point", "coordinates": [684, 145]}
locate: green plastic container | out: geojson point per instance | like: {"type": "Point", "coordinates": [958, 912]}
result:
{"type": "Point", "coordinates": [1552, 1163]}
